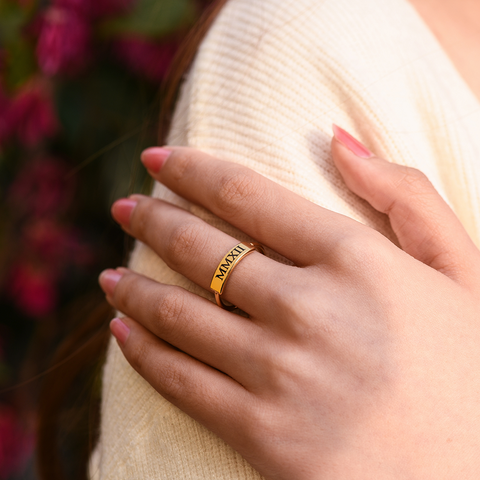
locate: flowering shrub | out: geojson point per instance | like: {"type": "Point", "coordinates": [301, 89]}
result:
{"type": "Point", "coordinates": [63, 42]}
{"type": "Point", "coordinates": [30, 115]}
{"type": "Point", "coordinates": [79, 83]}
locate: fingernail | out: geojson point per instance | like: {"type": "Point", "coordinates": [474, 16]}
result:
{"type": "Point", "coordinates": [122, 210]}
{"type": "Point", "coordinates": [153, 158]}
{"type": "Point", "coordinates": [351, 143]}
{"type": "Point", "coordinates": [119, 330]}
{"type": "Point", "coordinates": [108, 280]}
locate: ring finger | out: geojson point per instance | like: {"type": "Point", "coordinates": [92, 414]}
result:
{"type": "Point", "coordinates": [194, 248]}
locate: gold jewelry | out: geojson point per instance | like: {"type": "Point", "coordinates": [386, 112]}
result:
{"type": "Point", "coordinates": [226, 266]}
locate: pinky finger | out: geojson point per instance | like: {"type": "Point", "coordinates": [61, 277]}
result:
{"type": "Point", "coordinates": [212, 398]}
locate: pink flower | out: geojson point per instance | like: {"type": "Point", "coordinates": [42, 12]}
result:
{"type": "Point", "coordinates": [95, 9]}
{"type": "Point", "coordinates": [64, 42]}
{"type": "Point", "coordinates": [31, 114]}
{"type": "Point", "coordinates": [32, 289]}
{"type": "Point", "coordinates": [48, 250]}
{"type": "Point", "coordinates": [41, 188]}
{"type": "Point", "coordinates": [15, 444]}
{"type": "Point", "coordinates": [148, 59]}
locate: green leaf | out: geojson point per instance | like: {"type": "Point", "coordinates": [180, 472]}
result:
{"type": "Point", "coordinates": [12, 19]}
{"type": "Point", "coordinates": [153, 18]}
{"type": "Point", "coordinates": [21, 63]}
{"type": "Point", "coordinates": [20, 56]}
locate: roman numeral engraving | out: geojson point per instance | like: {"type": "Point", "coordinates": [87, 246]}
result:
{"type": "Point", "coordinates": [226, 267]}
{"type": "Point", "coordinates": [229, 260]}
{"type": "Point", "coordinates": [228, 264]}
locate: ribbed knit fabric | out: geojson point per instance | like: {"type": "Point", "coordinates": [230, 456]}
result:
{"type": "Point", "coordinates": [268, 81]}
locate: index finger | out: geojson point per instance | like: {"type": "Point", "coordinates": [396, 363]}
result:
{"type": "Point", "coordinates": [266, 211]}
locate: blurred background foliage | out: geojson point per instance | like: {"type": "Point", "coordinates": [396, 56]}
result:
{"type": "Point", "coordinates": [79, 100]}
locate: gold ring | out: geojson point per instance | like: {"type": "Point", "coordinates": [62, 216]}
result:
{"type": "Point", "coordinates": [226, 266]}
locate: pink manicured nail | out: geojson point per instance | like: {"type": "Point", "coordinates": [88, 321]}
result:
{"type": "Point", "coordinates": [108, 279]}
{"type": "Point", "coordinates": [153, 158]}
{"type": "Point", "coordinates": [119, 330]}
{"type": "Point", "coordinates": [122, 210]}
{"type": "Point", "coordinates": [351, 143]}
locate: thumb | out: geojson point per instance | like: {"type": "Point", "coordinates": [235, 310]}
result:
{"type": "Point", "coordinates": [425, 225]}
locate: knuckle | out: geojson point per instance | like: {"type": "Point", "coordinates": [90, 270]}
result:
{"type": "Point", "coordinates": [170, 309]}
{"type": "Point", "coordinates": [139, 356]}
{"type": "Point", "coordinates": [173, 380]}
{"type": "Point", "coordinates": [347, 247]}
{"type": "Point", "coordinates": [412, 192]}
{"type": "Point", "coordinates": [260, 424]}
{"type": "Point", "coordinates": [238, 187]}
{"type": "Point", "coordinates": [412, 181]}
{"type": "Point", "coordinates": [360, 252]}
{"type": "Point", "coordinates": [183, 243]}
{"type": "Point", "coordinates": [289, 298]}
{"type": "Point", "coordinates": [294, 302]}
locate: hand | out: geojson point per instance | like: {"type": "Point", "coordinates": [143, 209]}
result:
{"type": "Point", "coordinates": [362, 361]}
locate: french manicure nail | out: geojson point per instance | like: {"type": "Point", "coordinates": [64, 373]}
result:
{"type": "Point", "coordinates": [153, 158]}
{"type": "Point", "coordinates": [108, 280]}
{"type": "Point", "coordinates": [119, 330]}
{"type": "Point", "coordinates": [122, 210]}
{"type": "Point", "coordinates": [351, 143]}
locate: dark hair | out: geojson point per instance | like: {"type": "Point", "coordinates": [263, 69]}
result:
{"type": "Point", "coordinates": [79, 358]}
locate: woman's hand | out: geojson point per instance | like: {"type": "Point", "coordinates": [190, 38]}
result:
{"type": "Point", "coordinates": [362, 361]}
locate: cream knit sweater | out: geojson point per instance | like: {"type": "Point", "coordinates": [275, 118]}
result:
{"type": "Point", "coordinates": [268, 81]}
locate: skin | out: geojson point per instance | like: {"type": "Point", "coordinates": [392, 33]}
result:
{"type": "Point", "coordinates": [360, 361]}
{"type": "Point", "coordinates": [456, 24]}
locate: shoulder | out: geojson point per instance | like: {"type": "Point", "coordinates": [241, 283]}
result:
{"type": "Point", "coordinates": [351, 29]}
{"type": "Point", "coordinates": [343, 45]}
{"type": "Point", "coordinates": [283, 63]}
